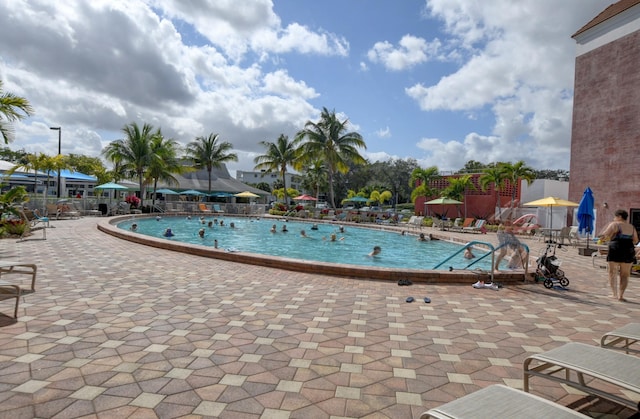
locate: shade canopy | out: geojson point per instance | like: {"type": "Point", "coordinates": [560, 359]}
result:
{"type": "Point", "coordinates": [551, 201]}
{"type": "Point", "coordinates": [357, 199]}
{"type": "Point", "coordinates": [304, 197]}
{"type": "Point", "coordinates": [585, 213]}
{"type": "Point", "coordinates": [443, 201]}
{"type": "Point", "coordinates": [166, 191]}
{"type": "Point", "coordinates": [191, 192]}
{"type": "Point", "coordinates": [111, 185]}
{"type": "Point", "coordinates": [246, 194]}
{"type": "Point", "coordinates": [221, 194]}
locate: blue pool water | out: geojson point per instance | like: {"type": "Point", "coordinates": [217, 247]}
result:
{"type": "Point", "coordinates": [351, 247]}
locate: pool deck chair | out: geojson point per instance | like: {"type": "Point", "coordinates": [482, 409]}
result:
{"type": "Point", "coordinates": [499, 401]}
{"type": "Point", "coordinates": [478, 227]}
{"type": "Point", "coordinates": [203, 208]}
{"type": "Point", "coordinates": [622, 339]}
{"type": "Point", "coordinates": [8, 267]}
{"type": "Point", "coordinates": [604, 370]}
{"type": "Point", "coordinates": [9, 291]}
{"type": "Point", "coordinates": [217, 209]}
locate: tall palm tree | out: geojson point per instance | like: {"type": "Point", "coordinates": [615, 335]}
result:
{"type": "Point", "coordinates": [133, 151]}
{"type": "Point", "coordinates": [421, 180]}
{"type": "Point", "coordinates": [164, 163]}
{"type": "Point", "coordinates": [208, 152]}
{"type": "Point", "coordinates": [494, 176]}
{"type": "Point", "coordinates": [328, 140]}
{"type": "Point", "coordinates": [12, 108]}
{"type": "Point", "coordinates": [278, 156]}
{"type": "Point", "coordinates": [515, 172]}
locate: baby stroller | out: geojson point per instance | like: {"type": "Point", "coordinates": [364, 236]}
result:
{"type": "Point", "coordinates": [548, 268]}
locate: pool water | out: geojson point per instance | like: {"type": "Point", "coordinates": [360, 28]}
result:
{"type": "Point", "coordinates": [351, 247]}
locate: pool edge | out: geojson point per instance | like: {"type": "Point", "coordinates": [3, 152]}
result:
{"type": "Point", "coordinates": [108, 226]}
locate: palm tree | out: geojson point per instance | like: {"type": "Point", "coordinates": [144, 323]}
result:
{"type": "Point", "coordinates": [458, 187]}
{"type": "Point", "coordinates": [494, 176]}
{"type": "Point", "coordinates": [133, 152]}
{"type": "Point", "coordinates": [208, 152]}
{"type": "Point", "coordinates": [279, 155]}
{"type": "Point", "coordinates": [421, 180]}
{"type": "Point", "coordinates": [315, 177]}
{"type": "Point", "coordinates": [328, 141]}
{"type": "Point", "coordinates": [12, 108]}
{"type": "Point", "coordinates": [164, 163]}
{"type": "Point", "coordinates": [515, 172]}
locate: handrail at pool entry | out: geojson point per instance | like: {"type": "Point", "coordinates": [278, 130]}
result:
{"type": "Point", "coordinates": [491, 252]}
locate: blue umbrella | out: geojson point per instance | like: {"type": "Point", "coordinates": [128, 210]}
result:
{"type": "Point", "coordinates": [585, 213]}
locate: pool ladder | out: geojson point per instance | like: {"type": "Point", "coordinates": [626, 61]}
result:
{"type": "Point", "coordinates": [492, 253]}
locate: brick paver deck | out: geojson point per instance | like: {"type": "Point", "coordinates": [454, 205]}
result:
{"type": "Point", "coordinates": [116, 329]}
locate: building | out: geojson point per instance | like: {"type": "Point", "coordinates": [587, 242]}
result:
{"type": "Point", "coordinates": [606, 112]}
{"type": "Point", "coordinates": [71, 183]}
{"type": "Point", "coordinates": [253, 178]}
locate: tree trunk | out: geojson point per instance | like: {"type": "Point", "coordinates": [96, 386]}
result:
{"type": "Point", "coordinates": [284, 184]}
{"type": "Point", "coordinates": [209, 169]}
{"type": "Point", "coordinates": [331, 197]}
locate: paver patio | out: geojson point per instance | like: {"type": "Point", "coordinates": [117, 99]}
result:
{"type": "Point", "coordinates": [117, 329]}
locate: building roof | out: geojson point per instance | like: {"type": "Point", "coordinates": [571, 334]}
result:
{"type": "Point", "coordinates": [608, 13]}
{"type": "Point", "coordinates": [221, 181]}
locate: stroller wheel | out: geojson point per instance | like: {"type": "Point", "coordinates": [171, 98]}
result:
{"type": "Point", "coordinates": [564, 282]}
{"type": "Point", "coordinates": [548, 283]}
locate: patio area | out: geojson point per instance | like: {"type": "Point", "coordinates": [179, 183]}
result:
{"type": "Point", "coordinates": [117, 329]}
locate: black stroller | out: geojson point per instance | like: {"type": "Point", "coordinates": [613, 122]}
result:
{"type": "Point", "coordinates": [548, 268]}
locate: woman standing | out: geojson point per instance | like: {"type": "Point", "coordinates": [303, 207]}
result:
{"type": "Point", "coordinates": [622, 238]}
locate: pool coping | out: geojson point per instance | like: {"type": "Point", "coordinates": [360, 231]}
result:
{"type": "Point", "coordinates": [108, 226]}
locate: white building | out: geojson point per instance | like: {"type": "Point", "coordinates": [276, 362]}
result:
{"type": "Point", "coordinates": [293, 181]}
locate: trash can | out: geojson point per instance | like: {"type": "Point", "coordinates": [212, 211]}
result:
{"type": "Point", "coordinates": [103, 208]}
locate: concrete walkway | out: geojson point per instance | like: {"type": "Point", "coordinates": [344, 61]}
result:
{"type": "Point", "coordinates": [121, 330]}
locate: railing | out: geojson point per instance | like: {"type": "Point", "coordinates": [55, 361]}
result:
{"type": "Point", "coordinates": [491, 253]}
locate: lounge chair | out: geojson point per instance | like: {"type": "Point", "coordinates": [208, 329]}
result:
{"type": "Point", "coordinates": [34, 222]}
{"type": "Point", "coordinates": [216, 208]}
{"type": "Point", "coordinates": [203, 208]}
{"type": "Point", "coordinates": [468, 222]}
{"type": "Point", "coordinates": [622, 338]}
{"type": "Point", "coordinates": [8, 267]}
{"type": "Point", "coordinates": [8, 291]}
{"type": "Point", "coordinates": [499, 401]}
{"type": "Point", "coordinates": [571, 362]}
{"type": "Point", "coordinates": [478, 227]}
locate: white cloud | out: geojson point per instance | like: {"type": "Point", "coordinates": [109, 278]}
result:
{"type": "Point", "coordinates": [279, 82]}
{"type": "Point", "coordinates": [384, 132]}
{"type": "Point", "coordinates": [410, 51]}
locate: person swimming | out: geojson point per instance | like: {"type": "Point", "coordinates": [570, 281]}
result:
{"type": "Point", "coordinates": [376, 251]}
{"type": "Point", "coordinates": [133, 227]}
{"type": "Point", "coordinates": [168, 233]}
{"type": "Point", "coordinates": [201, 233]}
{"type": "Point", "coordinates": [273, 228]}
{"type": "Point", "coordinates": [284, 228]}
{"type": "Point", "coordinates": [468, 254]}
{"type": "Point", "coordinates": [314, 227]}
{"type": "Point", "coordinates": [303, 234]}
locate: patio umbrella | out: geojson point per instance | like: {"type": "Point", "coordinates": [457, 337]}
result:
{"type": "Point", "coordinates": [357, 199]}
{"type": "Point", "coordinates": [246, 194]}
{"type": "Point", "coordinates": [191, 192]}
{"type": "Point", "coordinates": [585, 213]}
{"type": "Point", "coordinates": [443, 201]}
{"type": "Point", "coordinates": [550, 202]}
{"type": "Point", "coordinates": [111, 185]}
{"type": "Point", "coordinates": [166, 191]}
{"type": "Point", "coordinates": [304, 197]}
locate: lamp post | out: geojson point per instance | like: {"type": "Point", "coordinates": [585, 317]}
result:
{"type": "Point", "coordinates": [59, 129]}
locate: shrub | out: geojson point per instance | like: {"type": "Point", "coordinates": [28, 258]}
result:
{"type": "Point", "coordinates": [12, 227]}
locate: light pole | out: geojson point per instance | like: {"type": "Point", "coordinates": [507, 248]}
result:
{"type": "Point", "coordinates": [59, 129]}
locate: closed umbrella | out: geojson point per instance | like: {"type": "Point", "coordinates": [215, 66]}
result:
{"type": "Point", "coordinates": [585, 213]}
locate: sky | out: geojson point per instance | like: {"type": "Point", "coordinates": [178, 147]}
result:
{"type": "Point", "coordinates": [439, 81]}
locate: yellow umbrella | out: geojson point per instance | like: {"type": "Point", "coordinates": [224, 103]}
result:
{"type": "Point", "coordinates": [550, 202]}
{"type": "Point", "coordinates": [246, 194]}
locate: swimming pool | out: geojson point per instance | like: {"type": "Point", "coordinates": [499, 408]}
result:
{"type": "Point", "coordinates": [351, 247]}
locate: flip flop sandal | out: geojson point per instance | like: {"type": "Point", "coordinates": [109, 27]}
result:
{"type": "Point", "coordinates": [427, 300]}
{"type": "Point", "coordinates": [410, 300]}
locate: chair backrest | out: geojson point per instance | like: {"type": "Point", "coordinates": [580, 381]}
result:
{"type": "Point", "coordinates": [564, 232]}
{"type": "Point", "coordinates": [203, 206]}
{"type": "Point", "coordinates": [479, 223]}
{"type": "Point", "coordinates": [52, 209]}
{"type": "Point", "coordinates": [467, 222]}
{"type": "Point", "coordinates": [412, 219]}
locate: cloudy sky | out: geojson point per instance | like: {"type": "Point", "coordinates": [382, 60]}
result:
{"type": "Point", "coordinates": [441, 81]}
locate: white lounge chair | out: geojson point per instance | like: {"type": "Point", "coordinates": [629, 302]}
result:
{"type": "Point", "coordinates": [622, 338]}
{"type": "Point", "coordinates": [499, 401]}
{"type": "Point", "coordinates": [571, 362]}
